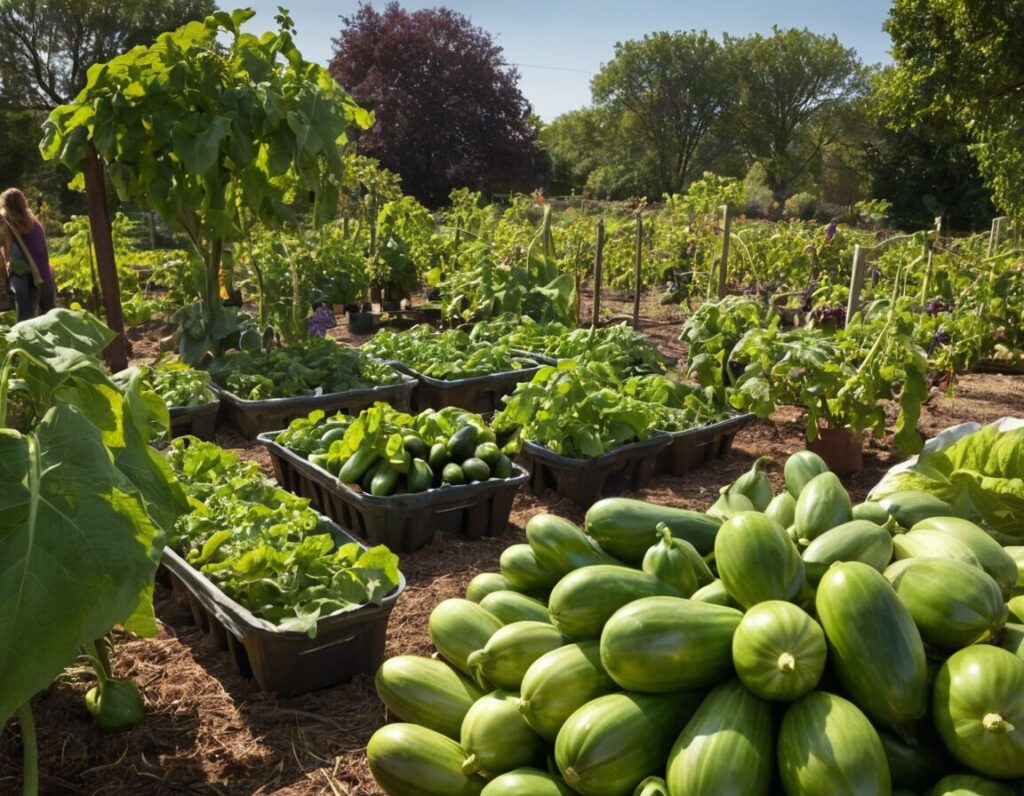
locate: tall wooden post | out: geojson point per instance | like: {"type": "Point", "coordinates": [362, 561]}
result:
{"type": "Point", "coordinates": [860, 259]}
{"type": "Point", "coordinates": [116, 354]}
{"type": "Point", "coordinates": [598, 261]}
{"type": "Point", "coordinates": [636, 267]}
{"type": "Point", "coordinates": [994, 235]}
{"type": "Point", "coordinates": [723, 268]}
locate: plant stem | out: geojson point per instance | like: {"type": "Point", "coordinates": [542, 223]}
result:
{"type": "Point", "coordinates": [5, 380]}
{"type": "Point", "coordinates": [29, 751]}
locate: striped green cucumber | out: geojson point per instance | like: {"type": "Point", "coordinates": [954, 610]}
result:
{"type": "Point", "coordinates": [823, 504]}
{"type": "Point", "coordinates": [495, 738]}
{"type": "Point", "coordinates": [458, 628]}
{"type": "Point", "coordinates": [677, 563]}
{"type": "Point", "coordinates": [952, 603]}
{"type": "Point", "coordinates": [625, 528]}
{"type": "Point", "coordinates": [917, 765]}
{"type": "Point", "coordinates": [782, 509]}
{"type": "Point", "coordinates": [652, 786]}
{"type": "Point", "coordinates": [561, 547]}
{"type": "Point", "coordinates": [483, 584]}
{"type": "Point", "coordinates": [582, 601]}
{"type": "Point", "coordinates": [909, 507]}
{"type": "Point", "coordinates": [420, 478]}
{"type": "Point", "coordinates": [714, 593]}
{"type": "Point", "coordinates": [756, 560]}
{"type": "Point", "coordinates": [969, 785]}
{"type": "Point", "coordinates": [524, 571]}
{"type": "Point", "coordinates": [754, 485]}
{"type": "Point", "coordinates": [874, 646]}
{"type": "Point", "coordinates": [657, 645]}
{"type": "Point", "coordinates": [384, 481]}
{"type": "Point", "coordinates": [857, 540]}
{"type": "Point", "coordinates": [978, 709]}
{"type": "Point", "coordinates": [560, 682]}
{"type": "Point", "coordinates": [1016, 552]}
{"type": "Point", "coordinates": [929, 543]}
{"type": "Point", "coordinates": [508, 653]}
{"type": "Point", "coordinates": [1012, 639]}
{"type": "Point", "coordinates": [827, 746]}
{"type": "Point", "coordinates": [779, 651]}
{"type": "Point", "coordinates": [872, 512]}
{"type": "Point", "coordinates": [800, 468]}
{"type": "Point", "coordinates": [608, 746]}
{"type": "Point", "coordinates": [511, 606]}
{"type": "Point", "coordinates": [426, 692]}
{"type": "Point", "coordinates": [992, 556]}
{"type": "Point", "coordinates": [526, 782]}
{"type": "Point", "coordinates": [410, 760]}
{"type": "Point", "coordinates": [726, 747]}
{"type": "Point", "coordinates": [356, 465]}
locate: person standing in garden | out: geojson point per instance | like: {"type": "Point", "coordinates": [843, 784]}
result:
{"type": "Point", "coordinates": [26, 257]}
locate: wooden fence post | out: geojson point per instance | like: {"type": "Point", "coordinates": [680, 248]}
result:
{"type": "Point", "coordinates": [860, 258]}
{"type": "Point", "coordinates": [116, 354]}
{"type": "Point", "coordinates": [723, 268]}
{"type": "Point", "coordinates": [994, 235]}
{"type": "Point", "coordinates": [636, 267]}
{"type": "Point", "coordinates": [598, 257]}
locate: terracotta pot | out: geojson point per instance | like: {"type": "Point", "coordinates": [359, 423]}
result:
{"type": "Point", "coordinates": [841, 448]}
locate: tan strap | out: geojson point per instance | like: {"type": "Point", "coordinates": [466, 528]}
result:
{"type": "Point", "coordinates": [24, 249]}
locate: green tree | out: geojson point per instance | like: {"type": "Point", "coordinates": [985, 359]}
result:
{"type": "Point", "coordinates": [797, 90]}
{"type": "Point", "coordinates": [670, 91]}
{"type": "Point", "coordinates": [215, 135]}
{"type": "Point", "coordinates": [961, 62]}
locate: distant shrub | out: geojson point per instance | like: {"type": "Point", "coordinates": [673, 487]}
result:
{"type": "Point", "coordinates": [801, 205]}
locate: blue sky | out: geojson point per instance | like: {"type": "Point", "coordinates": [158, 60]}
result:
{"type": "Point", "coordinates": [573, 39]}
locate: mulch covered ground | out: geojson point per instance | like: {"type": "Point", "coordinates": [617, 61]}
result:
{"type": "Point", "coordinates": [208, 730]}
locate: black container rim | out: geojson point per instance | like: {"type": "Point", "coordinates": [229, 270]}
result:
{"type": "Point", "coordinates": [240, 621]}
{"type": "Point", "coordinates": [405, 382]}
{"type": "Point", "coordinates": [413, 500]}
{"type": "Point", "coordinates": [658, 440]}
{"type": "Point", "coordinates": [737, 421]}
{"type": "Point", "coordinates": [472, 381]}
{"type": "Point", "coordinates": [198, 409]}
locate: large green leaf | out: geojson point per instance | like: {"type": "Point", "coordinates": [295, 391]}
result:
{"type": "Point", "coordinates": [77, 550]}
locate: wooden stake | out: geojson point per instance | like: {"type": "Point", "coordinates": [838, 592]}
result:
{"type": "Point", "coordinates": [116, 354]}
{"type": "Point", "coordinates": [860, 258]}
{"type": "Point", "coordinates": [994, 235]}
{"type": "Point", "coordinates": [723, 268]}
{"type": "Point", "coordinates": [636, 267]}
{"type": "Point", "coordinates": [598, 257]}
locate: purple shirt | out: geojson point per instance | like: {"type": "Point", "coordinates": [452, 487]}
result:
{"type": "Point", "coordinates": [35, 240]}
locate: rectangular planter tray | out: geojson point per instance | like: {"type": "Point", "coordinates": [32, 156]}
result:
{"type": "Point", "coordinates": [250, 418]}
{"type": "Point", "coordinates": [199, 421]}
{"type": "Point", "coordinates": [585, 481]}
{"type": "Point", "coordinates": [689, 449]}
{"type": "Point", "coordinates": [998, 366]}
{"type": "Point", "coordinates": [402, 522]}
{"type": "Point", "coordinates": [286, 662]}
{"type": "Point", "coordinates": [480, 394]}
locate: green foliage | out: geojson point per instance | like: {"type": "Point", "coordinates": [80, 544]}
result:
{"type": "Point", "coordinates": [801, 205]}
{"type": "Point", "coordinates": [263, 545]}
{"type": "Point", "coordinates": [178, 384]}
{"type": "Point", "coordinates": [445, 355]}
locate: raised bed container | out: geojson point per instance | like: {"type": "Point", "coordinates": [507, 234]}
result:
{"type": "Point", "coordinates": [286, 662]}
{"type": "Point", "coordinates": [250, 418]}
{"type": "Point", "coordinates": [689, 449]}
{"type": "Point", "coordinates": [199, 421]}
{"type": "Point", "coordinates": [585, 481]}
{"type": "Point", "coordinates": [402, 522]}
{"type": "Point", "coordinates": [479, 394]}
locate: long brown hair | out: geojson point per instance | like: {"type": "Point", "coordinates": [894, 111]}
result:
{"type": "Point", "coordinates": [15, 207]}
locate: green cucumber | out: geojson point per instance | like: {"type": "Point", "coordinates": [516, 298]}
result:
{"type": "Point", "coordinates": [521, 568]}
{"type": "Point", "coordinates": [652, 786]}
{"type": "Point", "coordinates": [410, 760]}
{"type": "Point", "coordinates": [726, 747]}
{"type": "Point", "coordinates": [420, 478]}
{"type": "Point", "coordinates": [560, 682]}
{"type": "Point", "coordinates": [729, 504]}
{"type": "Point", "coordinates": [969, 785]}
{"type": "Point", "coordinates": [526, 782]}
{"type": "Point", "coordinates": [561, 547]}
{"type": "Point", "coordinates": [756, 560]}
{"type": "Point", "coordinates": [754, 485]}
{"type": "Point", "coordinates": [875, 648]}
{"type": "Point", "coordinates": [508, 653]}
{"type": "Point", "coordinates": [356, 465]}
{"type": "Point", "coordinates": [462, 444]}
{"type": "Point", "coordinates": [779, 651]}
{"type": "Point", "coordinates": [488, 452]}
{"type": "Point", "coordinates": [872, 512]}
{"type": "Point", "coordinates": [657, 645]}
{"type": "Point", "coordinates": [384, 481]}
{"type": "Point", "coordinates": [827, 746]}
{"type": "Point", "coordinates": [582, 601]}
{"type": "Point", "coordinates": [996, 560]}
{"type": "Point", "coordinates": [823, 504]}
{"type": "Point", "coordinates": [495, 737]}
{"type": "Point", "coordinates": [1012, 639]}
{"type": "Point", "coordinates": [426, 692]}
{"type": "Point", "coordinates": [917, 765]}
{"type": "Point", "coordinates": [476, 469]}
{"type": "Point", "coordinates": [714, 593]}
{"type": "Point", "coordinates": [415, 447]}
{"type": "Point", "coordinates": [952, 603]}
{"type": "Point", "coordinates": [612, 743]}
{"type": "Point", "coordinates": [438, 457]}
{"type": "Point", "coordinates": [929, 543]}
{"type": "Point", "coordinates": [453, 474]}
{"type": "Point", "coordinates": [677, 563]}
{"type": "Point", "coordinates": [857, 540]}
{"type": "Point", "coordinates": [512, 606]}
{"type": "Point", "coordinates": [459, 628]}
{"type": "Point", "coordinates": [908, 507]}
{"type": "Point", "coordinates": [626, 528]}
{"type": "Point", "coordinates": [800, 468]}
{"type": "Point", "coordinates": [484, 583]}
{"type": "Point", "coordinates": [782, 509]}
{"type": "Point", "coordinates": [503, 467]}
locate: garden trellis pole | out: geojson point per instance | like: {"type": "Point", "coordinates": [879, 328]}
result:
{"type": "Point", "coordinates": [995, 234]}
{"type": "Point", "coordinates": [636, 267]}
{"type": "Point", "coordinates": [860, 258]}
{"type": "Point", "coordinates": [723, 268]}
{"type": "Point", "coordinates": [598, 258]}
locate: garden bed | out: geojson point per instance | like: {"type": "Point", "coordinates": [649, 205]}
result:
{"type": "Point", "coordinates": [480, 394]}
{"type": "Point", "coordinates": [688, 450]}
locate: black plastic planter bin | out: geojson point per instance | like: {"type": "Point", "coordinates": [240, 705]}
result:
{"type": "Point", "coordinates": [585, 481]}
{"type": "Point", "coordinates": [689, 449]}
{"type": "Point", "coordinates": [480, 394]}
{"type": "Point", "coordinates": [250, 418]}
{"type": "Point", "coordinates": [286, 662]}
{"type": "Point", "coordinates": [402, 522]}
{"type": "Point", "coordinates": [199, 421]}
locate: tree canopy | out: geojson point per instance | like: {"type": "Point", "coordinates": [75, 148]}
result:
{"type": "Point", "coordinates": [449, 111]}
